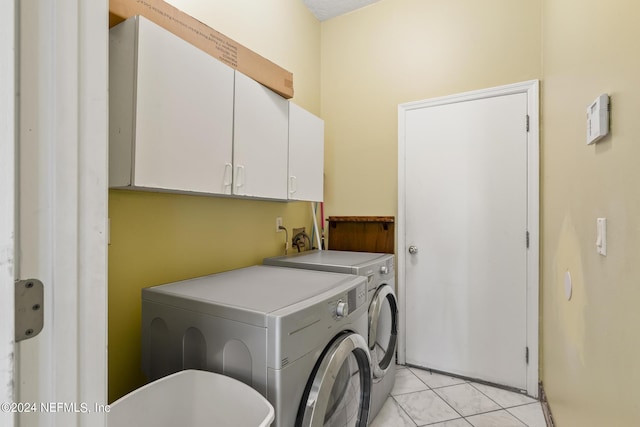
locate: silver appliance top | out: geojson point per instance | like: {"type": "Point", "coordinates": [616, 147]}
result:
{"type": "Point", "coordinates": [335, 261]}
{"type": "Point", "coordinates": [250, 294]}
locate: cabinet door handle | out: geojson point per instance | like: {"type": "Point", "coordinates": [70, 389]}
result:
{"type": "Point", "coordinates": [227, 177]}
{"type": "Point", "coordinates": [239, 176]}
{"type": "Point", "coordinates": [293, 184]}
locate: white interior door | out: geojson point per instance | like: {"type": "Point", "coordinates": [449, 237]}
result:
{"type": "Point", "coordinates": [466, 219]}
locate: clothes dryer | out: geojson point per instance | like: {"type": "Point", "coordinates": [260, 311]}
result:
{"type": "Point", "coordinates": [296, 336]}
{"type": "Point", "coordinates": [383, 308]}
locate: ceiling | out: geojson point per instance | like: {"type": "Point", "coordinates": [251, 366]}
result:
{"type": "Point", "coordinates": [327, 9]}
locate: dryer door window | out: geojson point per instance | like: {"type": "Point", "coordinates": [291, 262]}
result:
{"type": "Point", "coordinates": [339, 392]}
{"type": "Point", "coordinates": [383, 330]}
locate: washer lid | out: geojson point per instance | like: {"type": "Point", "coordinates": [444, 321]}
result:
{"type": "Point", "coordinates": [248, 294]}
{"type": "Point", "coordinates": [336, 261]}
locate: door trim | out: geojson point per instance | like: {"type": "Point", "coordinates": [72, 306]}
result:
{"type": "Point", "coordinates": [63, 134]}
{"type": "Point", "coordinates": [531, 88]}
{"type": "Point", "coordinates": [8, 43]}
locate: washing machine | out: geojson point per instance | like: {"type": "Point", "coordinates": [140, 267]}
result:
{"type": "Point", "coordinates": [383, 308]}
{"type": "Point", "coordinates": [297, 338]}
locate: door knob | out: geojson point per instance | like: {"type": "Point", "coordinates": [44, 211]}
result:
{"type": "Point", "coordinates": [413, 250]}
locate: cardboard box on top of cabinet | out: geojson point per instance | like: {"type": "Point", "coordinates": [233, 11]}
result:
{"type": "Point", "coordinates": [207, 39]}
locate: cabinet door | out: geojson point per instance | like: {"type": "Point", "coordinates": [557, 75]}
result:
{"type": "Point", "coordinates": [184, 115]}
{"type": "Point", "coordinates": [259, 141]}
{"type": "Point", "coordinates": [306, 155]}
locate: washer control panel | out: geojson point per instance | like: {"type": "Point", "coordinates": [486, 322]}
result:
{"type": "Point", "coordinates": [379, 271]}
{"type": "Point", "coordinates": [342, 309]}
{"type": "Point", "coordinates": [387, 267]}
{"type": "Point", "coordinates": [349, 301]}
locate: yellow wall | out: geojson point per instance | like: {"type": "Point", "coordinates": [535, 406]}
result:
{"type": "Point", "coordinates": [158, 238]}
{"type": "Point", "coordinates": [591, 344]}
{"type": "Point", "coordinates": [396, 51]}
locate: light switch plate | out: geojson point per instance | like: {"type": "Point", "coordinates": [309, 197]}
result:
{"type": "Point", "coordinates": [601, 237]}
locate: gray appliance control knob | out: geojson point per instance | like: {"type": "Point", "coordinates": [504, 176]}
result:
{"type": "Point", "coordinates": [384, 269]}
{"type": "Point", "coordinates": [342, 309]}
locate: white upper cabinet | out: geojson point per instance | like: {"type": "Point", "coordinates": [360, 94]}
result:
{"type": "Point", "coordinates": [306, 155]}
{"type": "Point", "coordinates": [260, 141]}
{"type": "Point", "coordinates": [182, 121]}
{"type": "Point", "coordinates": [171, 112]}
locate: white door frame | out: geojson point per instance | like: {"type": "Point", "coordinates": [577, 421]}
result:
{"type": "Point", "coordinates": [531, 88]}
{"type": "Point", "coordinates": [62, 179]}
{"type": "Point", "coordinates": [7, 203]}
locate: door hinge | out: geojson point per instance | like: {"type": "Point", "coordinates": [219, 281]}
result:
{"type": "Point", "coordinates": [29, 308]}
{"type": "Point", "coordinates": [526, 356]}
{"type": "Point", "coordinates": [527, 239]}
{"type": "Point", "coordinates": [527, 123]}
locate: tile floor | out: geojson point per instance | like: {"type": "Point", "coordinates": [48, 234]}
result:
{"type": "Point", "coordinates": [422, 398]}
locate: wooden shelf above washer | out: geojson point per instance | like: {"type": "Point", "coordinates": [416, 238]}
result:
{"type": "Point", "coordinates": [362, 233]}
